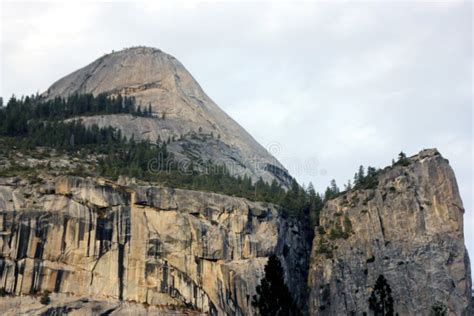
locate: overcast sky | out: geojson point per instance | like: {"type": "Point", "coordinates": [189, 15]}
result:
{"type": "Point", "coordinates": [325, 86]}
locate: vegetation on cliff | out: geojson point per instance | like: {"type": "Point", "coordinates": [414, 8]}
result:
{"type": "Point", "coordinates": [273, 297]}
{"type": "Point", "coordinates": [381, 300]}
{"type": "Point", "coordinates": [18, 112]}
{"type": "Point", "coordinates": [30, 122]}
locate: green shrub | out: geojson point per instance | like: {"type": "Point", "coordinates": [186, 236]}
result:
{"type": "Point", "coordinates": [321, 230]}
{"type": "Point", "coordinates": [347, 225]}
{"type": "Point", "coordinates": [45, 300]}
{"type": "Point", "coordinates": [337, 232]}
{"type": "Point", "coordinates": [324, 248]}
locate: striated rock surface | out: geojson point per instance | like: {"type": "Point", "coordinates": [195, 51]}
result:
{"type": "Point", "coordinates": [180, 106]}
{"type": "Point", "coordinates": [409, 229]}
{"type": "Point", "coordinates": [145, 244]}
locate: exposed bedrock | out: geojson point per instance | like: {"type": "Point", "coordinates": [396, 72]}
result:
{"type": "Point", "coordinates": [161, 246]}
{"type": "Point", "coordinates": [409, 229]}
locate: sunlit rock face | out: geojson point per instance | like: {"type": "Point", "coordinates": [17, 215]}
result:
{"type": "Point", "coordinates": [409, 228]}
{"type": "Point", "coordinates": [144, 244]}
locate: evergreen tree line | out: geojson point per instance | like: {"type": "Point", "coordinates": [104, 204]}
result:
{"type": "Point", "coordinates": [369, 180]}
{"type": "Point", "coordinates": [64, 135]}
{"type": "Point", "coordinates": [29, 122]}
{"type": "Point", "coordinates": [364, 180]}
{"type": "Point", "coordinates": [15, 116]}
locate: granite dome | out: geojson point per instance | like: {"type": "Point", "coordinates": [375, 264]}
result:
{"type": "Point", "coordinates": [180, 108]}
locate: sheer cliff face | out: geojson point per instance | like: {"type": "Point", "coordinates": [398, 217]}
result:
{"type": "Point", "coordinates": [409, 228]}
{"type": "Point", "coordinates": [142, 244]}
{"type": "Point", "coordinates": [179, 105]}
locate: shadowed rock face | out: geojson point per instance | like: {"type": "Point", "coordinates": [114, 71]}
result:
{"type": "Point", "coordinates": [409, 228]}
{"type": "Point", "coordinates": [145, 244]}
{"type": "Point", "coordinates": [158, 79]}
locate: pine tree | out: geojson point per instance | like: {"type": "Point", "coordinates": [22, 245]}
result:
{"type": "Point", "coordinates": [273, 297]}
{"type": "Point", "coordinates": [371, 171]}
{"type": "Point", "coordinates": [315, 205]}
{"type": "Point", "coordinates": [348, 186]}
{"type": "Point", "coordinates": [334, 187]}
{"type": "Point", "coordinates": [332, 191]}
{"type": "Point", "coordinates": [381, 300]}
{"type": "Point", "coordinates": [360, 175]}
{"type": "Point", "coordinates": [402, 159]}
{"type": "Point", "coordinates": [371, 180]}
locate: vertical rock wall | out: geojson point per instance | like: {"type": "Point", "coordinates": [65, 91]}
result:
{"type": "Point", "coordinates": [409, 229]}
{"type": "Point", "coordinates": [145, 244]}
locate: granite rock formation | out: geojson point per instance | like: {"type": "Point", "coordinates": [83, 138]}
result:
{"type": "Point", "coordinates": [146, 244]}
{"type": "Point", "coordinates": [409, 229]}
{"type": "Point", "coordinates": [180, 107]}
